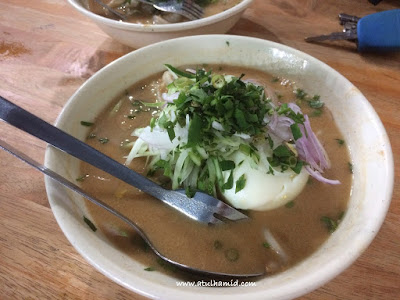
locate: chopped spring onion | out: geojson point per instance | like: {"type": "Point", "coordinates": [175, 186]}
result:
{"type": "Point", "coordinates": [87, 124]}
{"type": "Point", "coordinates": [90, 224]}
{"type": "Point", "coordinates": [208, 117]}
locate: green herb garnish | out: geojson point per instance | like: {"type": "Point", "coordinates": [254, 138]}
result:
{"type": "Point", "coordinates": [290, 204]}
{"type": "Point", "coordinates": [240, 183]}
{"type": "Point", "coordinates": [332, 224]}
{"type": "Point", "coordinates": [351, 167]}
{"type": "Point", "coordinates": [266, 245]}
{"type": "Point", "coordinates": [340, 141]}
{"type": "Point", "coordinates": [82, 178]}
{"type": "Point", "coordinates": [314, 101]}
{"type": "Point", "coordinates": [220, 115]}
{"type": "Point", "coordinates": [90, 224]}
{"type": "Point", "coordinates": [87, 124]}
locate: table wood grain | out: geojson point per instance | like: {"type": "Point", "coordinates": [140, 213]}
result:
{"type": "Point", "coordinates": [47, 50]}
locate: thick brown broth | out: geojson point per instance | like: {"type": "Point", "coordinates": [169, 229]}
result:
{"type": "Point", "coordinates": [144, 14]}
{"type": "Point", "coordinates": [298, 229]}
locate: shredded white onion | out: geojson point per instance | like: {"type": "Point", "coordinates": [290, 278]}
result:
{"type": "Point", "coordinates": [273, 243]}
{"type": "Point", "coordinates": [217, 126]}
{"type": "Point", "coordinates": [170, 98]}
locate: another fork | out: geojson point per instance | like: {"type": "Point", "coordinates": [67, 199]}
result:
{"type": "Point", "coordinates": [201, 207]}
{"type": "Point", "coordinates": [186, 8]}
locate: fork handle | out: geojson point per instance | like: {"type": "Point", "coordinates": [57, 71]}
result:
{"type": "Point", "coordinates": [37, 127]}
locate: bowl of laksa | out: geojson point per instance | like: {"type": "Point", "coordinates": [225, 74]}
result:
{"type": "Point", "coordinates": [143, 24]}
{"type": "Point", "coordinates": [270, 130]}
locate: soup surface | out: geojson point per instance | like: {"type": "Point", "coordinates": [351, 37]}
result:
{"type": "Point", "coordinates": [272, 240]}
{"type": "Point", "coordinates": [141, 13]}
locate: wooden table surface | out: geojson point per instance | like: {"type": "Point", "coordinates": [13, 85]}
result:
{"type": "Point", "coordinates": [47, 50]}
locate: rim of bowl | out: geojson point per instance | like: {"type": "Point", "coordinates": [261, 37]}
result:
{"type": "Point", "coordinates": [293, 289]}
{"type": "Point", "coordinates": [162, 27]}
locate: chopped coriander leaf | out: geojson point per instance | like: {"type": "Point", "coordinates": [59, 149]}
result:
{"type": "Point", "coordinates": [290, 204]}
{"type": "Point", "coordinates": [282, 151]}
{"type": "Point", "coordinates": [228, 43]}
{"type": "Point", "coordinates": [329, 223]}
{"type": "Point", "coordinates": [266, 245]}
{"type": "Point", "coordinates": [296, 131]}
{"type": "Point", "coordinates": [270, 171]}
{"type": "Point", "coordinates": [229, 184]}
{"type": "Point", "coordinates": [340, 141]}
{"type": "Point", "coordinates": [90, 224]}
{"type": "Point", "coordinates": [227, 165]}
{"type": "Point", "coordinates": [332, 224]}
{"type": "Point", "coordinates": [240, 183]}
{"type": "Point", "coordinates": [351, 168]}
{"type": "Point", "coordinates": [300, 94]}
{"type": "Point", "coordinates": [315, 102]}
{"type": "Point", "coordinates": [297, 168]}
{"type": "Point", "coordinates": [195, 131]}
{"type": "Point", "coordinates": [82, 178]}
{"type": "Point", "coordinates": [274, 79]}
{"type": "Point", "coordinates": [149, 269]}
{"type": "Point", "coordinates": [87, 124]}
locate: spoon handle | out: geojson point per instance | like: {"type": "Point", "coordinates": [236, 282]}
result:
{"type": "Point", "coordinates": [65, 182]}
{"type": "Point", "coordinates": [37, 127]}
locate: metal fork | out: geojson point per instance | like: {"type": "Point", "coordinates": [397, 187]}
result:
{"type": "Point", "coordinates": [186, 8]}
{"type": "Point", "coordinates": [201, 207]}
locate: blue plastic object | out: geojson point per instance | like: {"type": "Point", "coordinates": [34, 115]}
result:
{"type": "Point", "coordinates": [379, 32]}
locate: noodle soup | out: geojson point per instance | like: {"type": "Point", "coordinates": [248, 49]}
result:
{"type": "Point", "coordinates": [141, 13]}
{"type": "Point", "coordinates": [273, 240]}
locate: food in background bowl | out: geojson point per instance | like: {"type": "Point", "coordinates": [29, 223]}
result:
{"type": "Point", "coordinates": [139, 35]}
{"type": "Point", "coordinates": [357, 125]}
{"type": "Point", "coordinates": [135, 11]}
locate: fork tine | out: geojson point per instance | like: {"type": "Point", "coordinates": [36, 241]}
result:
{"type": "Point", "coordinates": [192, 6]}
{"type": "Point", "coordinates": [228, 212]}
{"type": "Point", "coordinates": [192, 9]}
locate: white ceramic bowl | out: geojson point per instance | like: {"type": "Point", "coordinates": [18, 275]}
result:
{"type": "Point", "coordinates": [139, 35]}
{"type": "Point", "coordinates": [363, 131]}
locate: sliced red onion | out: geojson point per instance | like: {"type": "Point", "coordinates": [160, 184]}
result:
{"type": "Point", "coordinates": [308, 146]}
{"type": "Point", "coordinates": [317, 175]}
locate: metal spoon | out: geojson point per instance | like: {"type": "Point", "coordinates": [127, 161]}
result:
{"type": "Point", "coordinates": [202, 208]}
{"type": "Point", "coordinates": [65, 182]}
